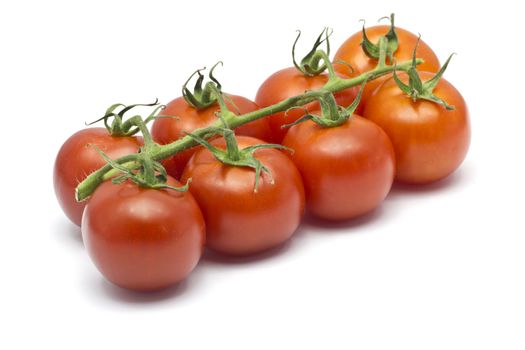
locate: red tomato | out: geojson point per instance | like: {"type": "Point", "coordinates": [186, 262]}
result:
{"type": "Point", "coordinates": [290, 82]}
{"type": "Point", "coordinates": [347, 170]}
{"type": "Point", "coordinates": [352, 53]}
{"type": "Point", "coordinates": [167, 130]}
{"type": "Point", "coordinates": [238, 220]}
{"type": "Point", "coordinates": [143, 239]}
{"type": "Point", "coordinates": [77, 159]}
{"type": "Point", "coordinates": [430, 141]}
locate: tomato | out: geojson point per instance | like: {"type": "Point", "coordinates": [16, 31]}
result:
{"type": "Point", "coordinates": [167, 130]}
{"type": "Point", "coordinates": [352, 53]}
{"type": "Point", "coordinates": [430, 142]}
{"type": "Point", "coordinates": [77, 159]}
{"type": "Point", "coordinates": [290, 82]}
{"type": "Point", "coordinates": [240, 221]}
{"type": "Point", "coordinates": [140, 238]}
{"type": "Point", "coordinates": [347, 170]}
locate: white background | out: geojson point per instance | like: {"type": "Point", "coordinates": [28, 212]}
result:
{"type": "Point", "coordinates": [441, 267]}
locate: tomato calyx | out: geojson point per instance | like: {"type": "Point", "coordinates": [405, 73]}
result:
{"type": "Point", "coordinates": [419, 90]}
{"type": "Point", "coordinates": [146, 172]}
{"type": "Point", "coordinates": [233, 155]}
{"type": "Point", "coordinates": [332, 115]}
{"type": "Point", "coordinates": [122, 128]}
{"type": "Point", "coordinates": [374, 50]}
{"type": "Point", "coordinates": [311, 65]}
{"type": "Point", "coordinates": [150, 173]}
{"type": "Point", "coordinates": [202, 97]}
{"type": "Point", "coordinates": [236, 157]}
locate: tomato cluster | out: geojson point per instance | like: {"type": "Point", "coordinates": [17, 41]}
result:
{"type": "Point", "coordinates": [245, 195]}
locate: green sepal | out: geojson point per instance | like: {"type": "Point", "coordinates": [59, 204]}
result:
{"type": "Point", "coordinates": [419, 90]}
{"type": "Point", "coordinates": [431, 84]}
{"type": "Point", "coordinates": [346, 64]}
{"type": "Point", "coordinates": [201, 97]}
{"type": "Point", "coordinates": [233, 156]}
{"type": "Point", "coordinates": [139, 176]}
{"type": "Point", "coordinates": [310, 64]}
{"type": "Point", "coordinates": [121, 127]}
{"type": "Point", "coordinates": [373, 50]}
{"type": "Point", "coordinates": [332, 115]}
{"type": "Point", "coordinates": [355, 103]}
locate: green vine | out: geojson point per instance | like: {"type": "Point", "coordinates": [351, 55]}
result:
{"type": "Point", "coordinates": [157, 152]}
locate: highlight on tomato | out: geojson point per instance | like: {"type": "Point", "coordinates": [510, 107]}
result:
{"type": "Point", "coordinates": [307, 75]}
{"type": "Point", "coordinates": [196, 110]}
{"type": "Point", "coordinates": [429, 128]}
{"type": "Point", "coordinates": [360, 53]}
{"type": "Point", "coordinates": [346, 162]}
{"type": "Point", "coordinates": [77, 157]}
{"type": "Point", "coordinates": [250, 193]}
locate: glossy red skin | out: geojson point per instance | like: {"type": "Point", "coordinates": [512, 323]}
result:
{"type": "Point", "coordinates": [239, 221]}
{"type": "Point", "coordinates": [76, 159]}
{"type": "Point", "coordinates": [167, 130]}
{"type": "Point", "coordinates": [291, 82]}
{"type": "Point", "coordinates": [347, 170]}
{"type": "Point", "coordinates": [143, 239]}
{"type": "Point", "coordinates": [430, 142]}
{"type": "Point", "coordinates": [352, 53]}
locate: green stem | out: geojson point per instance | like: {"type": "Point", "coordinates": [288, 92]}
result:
{"type": "Point", "coordinates": [141, 125]}
{"type": "Point", "coordinates": [231, 145]}
{"type": "Point", "coordinates": [149, 170]}
{"type": "Point", "coordinates": [383, 42]}
{"type": "Point", "coordinates": [218, 96]}
{"type": "Point", "coordinates": [329, 66]}
{"type": "Point", "coordinates": [88, 186]}
{"type": "Point", "coordinates": [329, 107]}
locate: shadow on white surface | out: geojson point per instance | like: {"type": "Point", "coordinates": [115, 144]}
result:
{"type": "Point", "coordinates": [343, 226]}
{"type": "Point", "coordinates": [115, 293]}
{"type": "Point", "coordinates": [67, 232]}
{"type": "Point", "coordinates": [211, 257]}
{"type": "Point", "coordinates": [214, 258]}
{"type": "Point", "coordinates": [459, 178]}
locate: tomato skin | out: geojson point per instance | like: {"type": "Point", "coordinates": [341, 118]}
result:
{"type": "Point", "coordinates": [291, 82]}
{"type": "Point", "coordinates": [352, 53]}
{"type": "Point", "coordinates": [167, 130]}
{"type": "Point", "coordinates": [76, 159]}
{"type": "Point", "coordinates": [347, 170]}
{"type": "Point", "coordinates": [239, 221]}
{"type": "Point", "coordinates": [143, 239]}
{"type": "Point", "coordinates": [430, 142]}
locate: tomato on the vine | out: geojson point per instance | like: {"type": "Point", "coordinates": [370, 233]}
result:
{"type": "Point", "coordinates": [430, 141]}
{"type": "Point", "coordinates": [291, 82]}
{"type": "Point", "coordinates": [141, 238]}
{"type": "Point", "coordinates": [347, 170]}
{"type": "Point", "coordinates": [357, 62]}
{"type": "Point", "coordinates": [188, 118]}
{"type": "Point", "coordinates": [240, 221]}
{"type": "Point", "coordinates": [78, 157]}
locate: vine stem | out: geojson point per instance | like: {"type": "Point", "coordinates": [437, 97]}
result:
{"type": "Point", "coordinates": [88, 186]}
